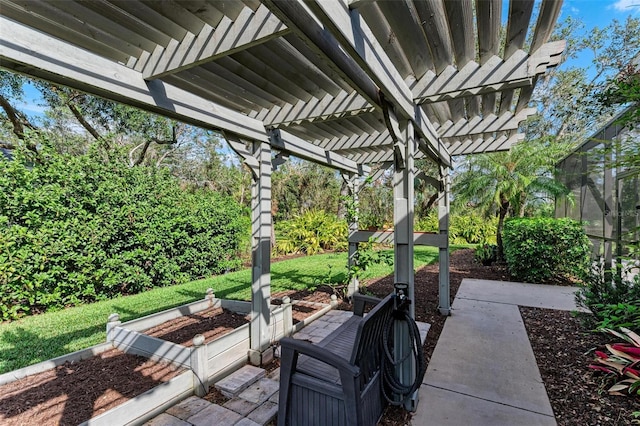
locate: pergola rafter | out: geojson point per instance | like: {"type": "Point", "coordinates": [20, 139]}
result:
{"type": "Point", "coordinates": [352, 84]}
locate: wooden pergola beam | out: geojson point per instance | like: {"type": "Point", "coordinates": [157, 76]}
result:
{"type": "Point", "coordinates": [366, 66]}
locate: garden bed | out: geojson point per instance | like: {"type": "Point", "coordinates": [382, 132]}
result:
{"type": "Point", "coordinates": [77, 391]}
{"type": "Point", "coordinates": [87, 388]}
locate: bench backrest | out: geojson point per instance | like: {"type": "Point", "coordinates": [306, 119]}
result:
{"type": "Point", "coordinates": [367, 349]}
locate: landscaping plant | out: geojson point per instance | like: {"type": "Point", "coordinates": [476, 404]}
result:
{"type": "Point", "coordinates": [622, 361]}
{"type": "Point", "coordinates": [539, 250]}
{"type": "Point", "coordinates": [612, 296]}
{"type": "Point", "coordinates": [76, 229]}
{"type": "Point", "coordinates": [311, 233]}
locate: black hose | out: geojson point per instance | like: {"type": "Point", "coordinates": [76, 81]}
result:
{"type": "Point", "coordinates": [392, 384]}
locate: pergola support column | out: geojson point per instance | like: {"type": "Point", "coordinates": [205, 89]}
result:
{"type": "Point", "coordinates": [403, 210]}
{"type": "Point", "coordinates": [444, 305]}
{"type": "Point", "coordinates": [257, 156]}
{"type": "Point", "coordinates": [353, 185]}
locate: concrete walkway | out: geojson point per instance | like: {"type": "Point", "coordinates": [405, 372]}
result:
{"type": "Point", "coordinates": [483, 370]}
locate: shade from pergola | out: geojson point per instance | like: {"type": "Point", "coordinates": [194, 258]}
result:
{"type": "Point", "coordinates": [349, 84]}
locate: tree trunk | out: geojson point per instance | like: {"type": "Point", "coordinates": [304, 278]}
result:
{"type": "Point", "coordinates": [504, 209]}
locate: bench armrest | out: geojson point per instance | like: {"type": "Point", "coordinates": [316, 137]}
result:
{"type": "Point", "coordinates": [291, 348]}
{"type": "Point", "coordinates": [360, 301]}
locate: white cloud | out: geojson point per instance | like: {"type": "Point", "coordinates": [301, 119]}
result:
{"type": "Point", "coordinates": [625, 5]}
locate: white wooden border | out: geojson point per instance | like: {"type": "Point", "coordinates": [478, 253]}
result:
{"type": "Point", "coordinates": [147, 405]}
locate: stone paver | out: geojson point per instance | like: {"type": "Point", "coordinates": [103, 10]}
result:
{"type": "Point", "coordinates": [246, 422]}
{"type": "Point", "coordinates": [260, 391]}
{"type": "Point", "coordinates": [215, 415]}
{"type": "Point", "coordinates": [275, 374]}
{"type": "Point", "coordinates": [232, 385]}
{"type": "Point", "coordinates": [188, 407]}
{"type": "Point", "coordinates": [240, 406]}
{"type": "Point", "coordinates": [264, 413]}
{"type": "Point", "coordinates": [165, 419]}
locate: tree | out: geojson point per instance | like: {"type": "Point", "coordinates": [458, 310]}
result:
{"type": "Point", "coordinates": [566, 98]}
{"type": "Point", "coordinates": [505, 183]}
{"type": "Point", "coordinates": [300, 186]}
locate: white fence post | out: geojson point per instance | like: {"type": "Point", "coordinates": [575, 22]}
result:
{"type": "Point", "coordinates": [199, 366]}
{"type": "Point", "coordinates": [210, 296]}
{"type": "Point", "coordinates": [112, 322]}
{"type": "Point", "coordinates": [287, 316]}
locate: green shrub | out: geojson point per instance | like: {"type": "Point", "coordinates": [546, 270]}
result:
{"type": "Point", "coordinates": [75, 229]}
{"type": "Point", "coordinates": [541, 250]}
{"type": "Point", "coordinates": [311, 233]}
{"type": "Point", "coordinates": [469, 228]}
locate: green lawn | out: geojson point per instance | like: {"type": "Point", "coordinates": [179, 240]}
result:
{"type": "Point", "coordinates": [41, 337]}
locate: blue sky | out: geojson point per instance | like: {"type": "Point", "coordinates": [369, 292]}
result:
{"type": "Point", "coordinates": [592, 13]}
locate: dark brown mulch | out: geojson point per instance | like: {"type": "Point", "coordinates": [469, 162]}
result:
{"type": "Point", "coordinates": [74, 392]}
{"type": "Point", "coordinates": [564, 349]}
{"type": "Point", "coordinates": [211, 323]}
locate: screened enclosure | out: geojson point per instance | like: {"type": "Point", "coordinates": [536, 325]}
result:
{"type": "Point", "coordinates": [604, 191]}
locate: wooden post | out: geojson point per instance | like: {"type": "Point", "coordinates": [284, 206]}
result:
{"type": "Point", "coordinates": [403, 208]}
{"type": "Point", "coordinates": [210, 296]}
{"type": "Point", "coordinates": [199, 366]}
{"type": "Point", "coordinates": [443, 220]}
{"type": "Point", "coordinates": [352, 218]}
{"type": "Point", "coordinates": [257, 156]}
{"type": "Point", "coordinates": [112, 322]}
{"type": "Point", "coordinates": [287, 316]}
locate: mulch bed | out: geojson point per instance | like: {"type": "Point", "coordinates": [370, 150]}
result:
{"type": "Point", "coordinates": [211, 323]}
{"type": "Point", "coordinates": [73, 393]}
{"type": "Point", "coordinates": [564, 349]}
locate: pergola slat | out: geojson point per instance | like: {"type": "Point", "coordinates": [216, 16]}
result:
{"type": "Point", "coordinates": [495, 75]}
{"type": "Point", "coordinates": [249, 29]}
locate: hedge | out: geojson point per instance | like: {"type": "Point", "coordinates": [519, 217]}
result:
{"type": "Point", "coordinates": [75, 229]}
{"type": "Point", "coordinates": [538, 250]}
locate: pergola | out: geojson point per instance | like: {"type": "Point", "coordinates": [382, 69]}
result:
{"type": "Point", "coordinates": [358, 85]}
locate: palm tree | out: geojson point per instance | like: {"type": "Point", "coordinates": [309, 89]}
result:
{"type": "Point", "coordinates": [505, 183]}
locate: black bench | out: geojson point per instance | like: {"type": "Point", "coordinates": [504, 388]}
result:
{"type": "Point", "coordinates": [337, 381]}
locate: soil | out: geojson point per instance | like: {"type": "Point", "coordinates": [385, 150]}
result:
{"type": "Point", "coordinates": [73, 393]}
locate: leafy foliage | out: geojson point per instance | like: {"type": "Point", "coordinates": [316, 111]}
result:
{"type": "Point", "coordinates": [542, 249]}
{"type": "Point", "coordinates": [470, 228]}
{"type": "Point", "coordinates": [486, 254]}
{"type": "Point", "coordinates": [311, 233]}
{"type": "Point", "coordinates": [623, 361]}
{"type": "Point", "coordinates": [75, 229]}
{"type": "Point", "coordinates": [623, 314]}
{"type": "Point", "coordinates": [612, 296]}
{"type": "Point", "coordinates": [367, 256]}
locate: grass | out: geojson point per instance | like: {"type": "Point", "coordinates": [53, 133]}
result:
{"type": "Point", "coordinates": [34, 339]}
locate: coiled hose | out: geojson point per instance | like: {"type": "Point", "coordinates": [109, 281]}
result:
{"type": "Point", "coordinates": [393, 387]}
